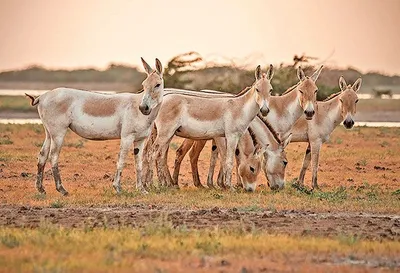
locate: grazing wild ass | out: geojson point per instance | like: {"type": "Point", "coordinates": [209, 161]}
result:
{"type": "Point", "coordinates": [99, 117]}
{"type": "Point", "coordinates": [285, 110]}
{"type": "Point", "coordinates": [200, 117]}
{"type": "Point", "coordinates": [330, 113]}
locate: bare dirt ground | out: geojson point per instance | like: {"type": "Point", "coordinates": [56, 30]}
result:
{"type": "Point", "coordinates": [362, 225]}
{"type": "Point", "coordinates": [359, 206]}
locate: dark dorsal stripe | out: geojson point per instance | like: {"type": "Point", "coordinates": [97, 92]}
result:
{"type": "Point", "coordinates": [270, 128]}
{"type": "Point", "coordinates": [253, 137]}
{"type": "Point", "coordinates": [290, 89]}
{"type": "Point", "coordinates": [333, 96]}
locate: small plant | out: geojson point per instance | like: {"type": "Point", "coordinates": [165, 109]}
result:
{"type": "Point", "coordinates": [57, 204]}
{"type": "Point", "coordinates": [5, 140]}
{"type": "Point", "coordinates": [10, 241]}
{"type": "Point", "coordinates": [339, 140]}
{"type": "Point", "coordinates": [173, 146]}
{"type": "Point", "coordinates": [79, 144]}
{"type": "Point", "coordinates": [362, 162]}
{"type": "Point", "coordinates": [39, 196]}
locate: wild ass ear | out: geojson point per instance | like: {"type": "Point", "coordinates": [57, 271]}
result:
{"type": "Point", "coordinates": [258, 72]}
{"type": "Point", "coordinates": [270, 72]}
{"type": "Point", "coordinates": [300, 74]}
{"type": "Point", "coordinates": [356, 86]}
{"type": "Point", "coordinates": [315, 76]}
{"type": "Point", "coordinates": [286, 140]}
{"type": "Point", "coordinates": [146, 66]}
{"type": "Point", "coordinates": [260, 150]}
{"type": "Point", "coordinates": [159, 67]}
{"type": "Point", "coordinates": [342, 83]}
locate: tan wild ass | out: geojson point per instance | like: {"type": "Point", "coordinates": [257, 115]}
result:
{"type": "Point", "coordinates": [285, 111]}
{"type": "Point", "coordinates": [99, 117]}
{"type": "Point", "coordinates": [330, 113]}
{"type": "Point", "coordinates": [197, 117]}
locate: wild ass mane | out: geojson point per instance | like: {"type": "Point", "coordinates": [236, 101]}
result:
{"type": "Point", "coordinates": [270, 128]}
{"type": "Point", "coordinates": [253, 137]}
{"type": "Point", "coordinates": [331, 96]}
{"type": "Point", "coordinates": [290, 89]}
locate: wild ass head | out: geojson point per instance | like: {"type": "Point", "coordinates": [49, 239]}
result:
{"type": "Point", "coordinates": [153, 88]}
{"type": "Point", "coordinates": [263, 88]}
{"type": "Point", "coordinates": [308, 92]}
{"type": "Point", "coordinates": [274, 164]}
{"type": "Point", "coordinates": [348, 99]}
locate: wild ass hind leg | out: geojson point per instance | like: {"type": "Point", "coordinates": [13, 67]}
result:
{"type": "Point", "coordinates": [125, 145]}
{"type": "Point", "coordinates": [180, 155]}
{"type": "Point", "coordinates": [231, 144]}
{"type": "Point", "coordinates": [306, 163]}
{"type": "Point", "coordinates": [42, 158]}
{"type": "Point", "coordinates": [213, 162]}
{"type": "Point", "coordinates": [138, 154]}
{"type": "Point", "coordinates": [239, 183]}
{"type": "Point", "coordinates": [161, 146]}
{"type": "Point", "coordinates": [148, 160]}
{"type": "Point", "coordinates": [194, 159]}
{"type": "Point", "coordinates": [315, 150]}
{"type": "Point", "coordinates": [55, 148]}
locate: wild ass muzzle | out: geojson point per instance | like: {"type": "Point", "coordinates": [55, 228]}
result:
{"type": "Point", "coordinates": [197, 117]}
{"type": "Point", "coordinates": [331, 112]}
{"type": "Point", "coordinates": [95, 116]}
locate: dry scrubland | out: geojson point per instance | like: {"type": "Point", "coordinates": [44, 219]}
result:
{"type": "Point", "coordinates": [351, 225]}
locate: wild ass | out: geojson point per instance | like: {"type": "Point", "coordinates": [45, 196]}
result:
{"type": "Point", "coordinates": [201, 117]}
{"type": "Point", "coordinates": [99, 117]}
{"type": "Point", "coordinates": [285, 111]}
{"type": "Point", "coordinates": [330, 113]}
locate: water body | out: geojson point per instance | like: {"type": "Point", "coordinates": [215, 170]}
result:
{"type": "Point", "coordinates": [366, 124]}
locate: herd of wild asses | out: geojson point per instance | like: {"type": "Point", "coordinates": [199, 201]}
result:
{"type": "Point", "coordinates": [252, 126]}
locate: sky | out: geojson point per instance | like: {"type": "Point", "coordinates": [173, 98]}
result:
{"type": "Point", "coordinates": [93, 33]}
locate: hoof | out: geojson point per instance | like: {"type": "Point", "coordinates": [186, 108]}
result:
{"type": "Point", "coordinates": [199, 185]}
{"type": "Point", "coordinates": [117, 188]}
{"type": "Point", "coordinates": [63, 191]}
{"type": "Point", "coordinates": [41, 190]}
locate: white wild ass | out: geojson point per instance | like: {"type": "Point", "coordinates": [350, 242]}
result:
{"type": "Point", "coordinates": [95, 116]}
{"type": "Point", "coordinates": [330, 113]}
{"type": "Point", "coordinates": [285, 110]}
{"type": "Point", "coordinates": [201, 117]}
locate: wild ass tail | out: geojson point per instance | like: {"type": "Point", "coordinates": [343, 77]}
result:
{"type": "Point", "coordinates": [34, 100]}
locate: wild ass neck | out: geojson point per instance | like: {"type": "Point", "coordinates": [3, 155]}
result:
{"type": "Point", "coordinates": [285, 111]}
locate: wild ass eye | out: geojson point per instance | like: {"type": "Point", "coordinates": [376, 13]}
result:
{"type": "Point", "coordinates": [356, 100]}
{"type": "Point", "coordinates": [300, 91]}
{"type": "Point", "coordinates": [316, 91]}
{"type": "Point", "coordinates": [270, 91]}
{"type": "Point", "coordinates": [341, 100]}
{"type": "Point", "coordinates": [252, 169]}
{"type": "Point", "coordinates": [158, 85]}
{"type": "Point", "coordinates": [285, 163]}
{"type": "Point", "coordinates": [257, 90]}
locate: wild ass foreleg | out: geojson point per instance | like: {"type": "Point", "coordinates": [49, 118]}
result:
{"type": "Point", "coordinates": [138, 154]}
{"type": "Point", "coordinates": [125, 145]}
{"type": "Point", "coordinates": [180, 155]}
{"type": "Point", "coordinates": [213, 162]}
{"type": "Point", "coordinates": [42, 158]}
{"type": "Point", "coordinates": [55, 148]}
{"type": "Point", "coordinates": [239, 183]}
{"type": "Point", "coordinates": [231, 144]}
{"type": "Point", "coordinates": [315, 149]}
{"type": "Point", "coordinates": [194, 159]}
{"type": "Point", "coordinates": [306, 163]}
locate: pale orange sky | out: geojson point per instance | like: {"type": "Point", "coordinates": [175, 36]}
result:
{"type": "Point", "coordinates": [70, 33]}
